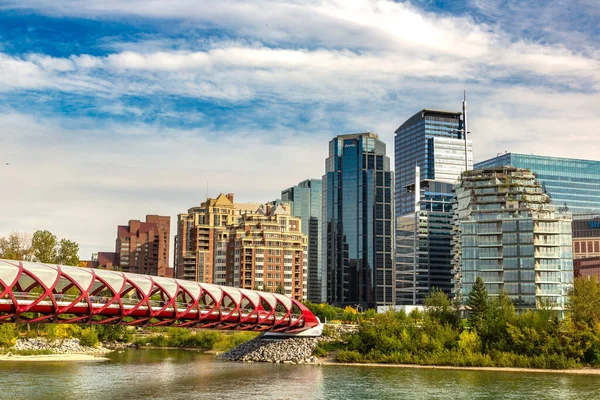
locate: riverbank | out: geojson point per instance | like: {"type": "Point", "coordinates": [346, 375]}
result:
{"type": "Point", "coordinates": [52, 357]}
{"type": "Point", "coordinates": [330, 361]}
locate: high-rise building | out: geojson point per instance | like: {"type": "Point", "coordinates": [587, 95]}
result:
{"type": "Point", "coordinates": [199, 256]}
{"type": "Point", "coordinates": [433, 141]}
{"type": "Point", "coordinates": [305, 200]}
{"type": "Point", "coordinates": [510, 235]}
{"type": "Point", "coordinates": [358, 223]}
{"type": "Point", "coordinates": [573, 184]}
{"type": "Point", "coordinates": [429, 157]}
{"type": "Point", "coordinates": [143, 247]}
{"type": "Point", "coordinates": [266, 250]}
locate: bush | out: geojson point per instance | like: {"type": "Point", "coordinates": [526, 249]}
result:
{"type": "Point", "coordinates": [349, 356]}
{"type": "Point", "coordinates": [88, 337]}
{"type": "Point", "coordinates": [8, 335]}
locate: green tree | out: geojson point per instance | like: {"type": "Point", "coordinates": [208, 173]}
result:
{"type": "Point", "coordinates": [67, 253]}
{"type": "Point", "coordinates": [44, 244]}
{"type": "Point", "coordinates": [439, 307]}
{"type": "Point", "coordinates": [8, 335]}
{"type": "Point", "coordinates": [17, 246]}
{"type": "Point", "coordinates": [279, 289]}
{"type": "Point", "coordinates": [584, 301]}
{"type": "Point", "coordinates": [478, 304]}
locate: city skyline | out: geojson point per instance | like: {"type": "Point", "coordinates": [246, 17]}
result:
{"type": "Point", "coordinates": [109, 105]}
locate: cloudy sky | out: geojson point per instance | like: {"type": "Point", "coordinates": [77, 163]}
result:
{"type": "Point", "coordinates": [111, 109]}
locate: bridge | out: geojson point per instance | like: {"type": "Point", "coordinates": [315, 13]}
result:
{"type": "Point", "coordinates": [46, 293]}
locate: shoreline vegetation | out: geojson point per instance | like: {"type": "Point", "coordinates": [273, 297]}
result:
{"type": "Point", "coordinates": [492, 335]}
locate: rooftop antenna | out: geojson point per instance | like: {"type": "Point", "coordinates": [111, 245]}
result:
{"type": "Point", "coordinates": [206, 189]}
{"type": "Point", "coordinates": [465, 130]}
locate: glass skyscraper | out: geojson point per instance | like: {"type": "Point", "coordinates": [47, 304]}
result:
{"type": "Point", "coordinates": [573, 184]}
{"type": "Point", "coordinates": [510, 235]}
{"type": "Point", "coordinates": [305, 199]}
{"type": "Point", "coordinates": [431, 140]}
{"type": "Point", "coordinates": [358, 222]}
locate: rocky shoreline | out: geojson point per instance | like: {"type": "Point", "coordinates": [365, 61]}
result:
{"type": "Point", "coordinates": [284, 351]}
{"type": "Point", "coordinates": [58, 346]}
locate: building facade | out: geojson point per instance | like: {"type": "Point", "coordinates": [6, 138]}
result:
{"type": "Point", "coordinates": [199, 248]}
{"type": "Point", "coordinates": [573, 184]}
{"type": "Point", "coordinates": [587, 267]}
{"type": "Point", "coordinates": [433, 141]}
{"type": "Point", "coordinates": [143, 247]}
{"type": "Point", "coordinates": [430, 155]}
{"type": "Point", "coordinates": [358, 223]}
{"type": "Point", "coordinates": [509, 234]}
{"type": "Point", "coordinates": [266, 250]}
{"type": "Point", "coordinates": [305, 200]}
{"type": "Point", "coordinates": [586, 235]}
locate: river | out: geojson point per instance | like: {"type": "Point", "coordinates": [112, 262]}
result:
{"type": "Point", "coordinates": [178, 374]}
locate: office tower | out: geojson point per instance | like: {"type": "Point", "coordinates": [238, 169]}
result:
{"type": "Point", "coordinates": [358, 223]}
{"type": "Point", "coordinates": [305, 201]}
{"type": "Point", "coordinates": [432, 143]}
{"type": "Point", "coordinates": [573, 184]}
{"type": "Point", "coordinates": [266, 250]}
{"type": "Point", "coordinates": [197, 252]}
{"type": "Point", "coordinates": [143, 247]}
{"type": "Point", "coordinates": [509, 234]}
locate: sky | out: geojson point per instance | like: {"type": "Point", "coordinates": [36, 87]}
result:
{"type": "Point", "coordinates": [111, 110]}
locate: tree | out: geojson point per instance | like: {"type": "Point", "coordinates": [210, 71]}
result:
{"type": "Point", "coordinates": [17, 246]}
{"type": "Point", "coordinates": [67, 253]}
{"type": "Point", "coordinates": [584, 301]}
{"type": "Point", "coordinates": [45, 245]}
{"type": "Point", "coordinates": [279, 290]}
{"type": "Point", "coordinates": [478, 304]}
{"type": "Point", "coordinates": [439, 307]}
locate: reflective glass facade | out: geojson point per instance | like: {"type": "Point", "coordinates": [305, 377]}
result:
{"type": "Point", "coordinates": [570, 182]}
{"type": "Point", "coordinates": [429, 139]}
{"type": "Point", "coordinates": [358, 222]}
{"type": "Point", "coordinates": [305, 199]}
{"type": "Point", "coordinates": [509, 234]}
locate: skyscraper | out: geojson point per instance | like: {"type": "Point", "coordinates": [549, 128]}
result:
{"type": "Point", "coordinates": [305, 200]}
{"type": "Point", "coordinates": [433, 141]}
{"type": "Point", "coordinates": [358, 222]}
{"type": "Point", "coordinates": [510, 235]}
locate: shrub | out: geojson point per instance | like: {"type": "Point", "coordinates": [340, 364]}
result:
{"type": "Point", "coordinates": [349, 356]}
{"type": "Point", "coordinates": [88, 337]}
{"type": "Point", "coordinates": [8, 335]}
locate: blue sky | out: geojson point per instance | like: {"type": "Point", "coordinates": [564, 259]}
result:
{"type": "Point", "coordinates": [111, 109]}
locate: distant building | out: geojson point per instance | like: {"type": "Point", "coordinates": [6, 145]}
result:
{"type": "Point", "coordinates": [305, 200]}
{"type": "Point", "coordinates": [573, 184]}
{"type": "Point", "coordinates": [433, 141]}
{"type": "Point", "coordinates": [143, 247]}
{"type": "Point", "coordinates": [358, 223]}
{"type": "Point", "coordinates": [266, 250]}
{"type": "Point", "coordinates": [586, 235]}
{"type": "Point", "coordinates": [510, 235]}
{"type": "Point", "coordinates": [587, 267]}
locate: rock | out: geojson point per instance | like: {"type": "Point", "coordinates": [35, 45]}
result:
{"type": "Point", "coordinates": [261, 349]}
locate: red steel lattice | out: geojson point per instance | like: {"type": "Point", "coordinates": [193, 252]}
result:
{"type": "Point", "coordinates": [35, 292]}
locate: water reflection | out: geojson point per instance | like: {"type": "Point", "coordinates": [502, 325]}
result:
{"type": "Point", "coordinates": [171, 374]}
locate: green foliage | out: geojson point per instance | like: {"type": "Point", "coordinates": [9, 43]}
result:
{"type": "Point", "coordinates": [584, 301]}
{"type": "Point", "coordinates": [349, 356]}
{"type": "Point", "coordinates": [67, 253]}
{"type": "Point", "coordinates": [325, 312]}
{"type": "Point", "coordinates": [8, 335]}
{"type": "Point", "coordinates": [88, 337]}
{"type": "Point", "coordinates": [477, 302]}
{"type": "Point", "coordinates": [439, 307]}
{"type": "Point", "coordinates": [44, 244]}
{"type": "Point", "coordinates": [30, 352]}
{"type": "Point", "coordinates": [279, 289]}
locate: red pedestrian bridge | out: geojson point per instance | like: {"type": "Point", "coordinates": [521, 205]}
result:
{"type": "Point", "coordinates": [46, 293]}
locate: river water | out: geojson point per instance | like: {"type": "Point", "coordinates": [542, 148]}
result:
{"type": "Point", "coordinates": [178, 374]}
